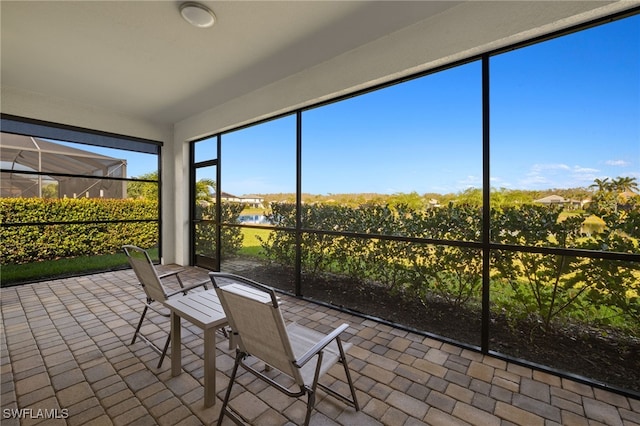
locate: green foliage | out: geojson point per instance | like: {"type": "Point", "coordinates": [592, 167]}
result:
{"type": "Point", "coordinates": [447, 272]}
{"type": "Point", "coordinates": [603, 202]}
{"type": "Point", "coordinates": [398, 266]}
{"type": "Point", "coordinates": [144, 190]}
{"type": "Point", "coordinates": [613, 283]}
{"type": "Point", "coordinates": [619, 184]}
{"type": "Point", "coordinates": [629, 222]}
{"type": "Point", "coordinates": [25, 244]}
{"type": "Point", "coordinates": [546, 288]}
{"type": "Point", "coordinates": [472, 196]}
{"type": "Point", "coordinates": [50, 190]}
{"type": "Point", "coordinates": [542, 285]}
{"type": "Point", "coordinates": [205, 189]}
{"type": "Point", "coordinates": [231, 238]}
{"type": "Point", "coordinates": [411, 200]}
{"type": "Point", "coordinates": [619, 193]}
{"type": "Point", "coordinates": [500, 197]}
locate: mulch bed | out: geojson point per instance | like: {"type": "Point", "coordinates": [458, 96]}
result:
{"type": "Point", "coordinates": [600, 355]}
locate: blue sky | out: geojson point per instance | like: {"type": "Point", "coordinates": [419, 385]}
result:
{"type": "Point", "coordinates": [576, 116]}
{"type": "Point", "coordinates": [563, 113]}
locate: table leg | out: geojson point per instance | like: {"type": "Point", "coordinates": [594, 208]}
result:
{"type": "Point", "coordinates": [176, 345]}
{"type": "Point", "coordinates": [209, 367]}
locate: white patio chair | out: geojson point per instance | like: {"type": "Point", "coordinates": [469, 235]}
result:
{"type": "Point", "coordinates": [151, 282]}
{"type": "Point", "coordinates": [302, 354]}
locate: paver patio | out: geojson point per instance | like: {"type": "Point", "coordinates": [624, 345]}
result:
{"type": "Point", "coordinates": [66, 354]}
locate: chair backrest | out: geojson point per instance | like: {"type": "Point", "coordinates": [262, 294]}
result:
{"type": "Point", "coordinates": [254, 314]}
{"type": "Point", "coordinates": [146, 272]}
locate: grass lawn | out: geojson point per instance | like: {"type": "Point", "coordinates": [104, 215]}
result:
{"type": "Point", "coordinates": [14, 274]}
{"type": "Point", "coordinates": [251, 245]}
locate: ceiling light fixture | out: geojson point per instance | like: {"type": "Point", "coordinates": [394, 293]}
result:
{"type": "Point", "coordinates": [197, 15]}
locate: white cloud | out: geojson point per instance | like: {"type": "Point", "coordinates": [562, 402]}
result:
{"type": "Point", "coordinates": [540, 167]}
{"type": "Point", "coordinates": [584, 170]}
{"type": "Point", "coordinates": [617, 163]}
{"type": "Point", "coordinates": [470, 182]}
{"type": "Point", "coordinates": [557, 175]}
{"type": "Point", "coordinates": [498, 182]}
{"type": "Point", "coordinates": [533, 180]}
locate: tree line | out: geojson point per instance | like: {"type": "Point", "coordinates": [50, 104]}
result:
{"type": "Point", "coordinates": [499, 196]}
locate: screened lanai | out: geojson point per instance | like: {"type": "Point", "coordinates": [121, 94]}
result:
{"type": "Point", "coordinates": [198, 93]}
{"type": "Point", "coordinates": [35, 163]}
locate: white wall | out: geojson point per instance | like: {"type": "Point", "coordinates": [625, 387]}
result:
{"type": "Point", "coordinates": [63, 111]}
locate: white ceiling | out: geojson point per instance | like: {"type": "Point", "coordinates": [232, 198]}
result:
{"type": "Point", "coordinates": [140, 59]}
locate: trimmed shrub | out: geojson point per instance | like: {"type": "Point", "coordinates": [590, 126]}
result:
{"type": "Point", "coordinates": [548, 288]}
{"type": "Point", "coordinates": [32, 243]}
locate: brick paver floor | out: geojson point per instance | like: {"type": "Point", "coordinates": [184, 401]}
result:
{"type": "Point", "coordinates": [66, 360]}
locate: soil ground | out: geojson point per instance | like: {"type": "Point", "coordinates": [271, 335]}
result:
{"type": "Point", "coordinates": [596, 354]}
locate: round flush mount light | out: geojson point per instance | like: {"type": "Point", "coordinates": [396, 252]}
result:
{"type": "Point", "coordinates": [197, 15]}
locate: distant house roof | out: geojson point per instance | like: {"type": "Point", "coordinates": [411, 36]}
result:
{"type": "Point", "coordinates": [247, 199]}
{"type": "Point", "coordinates": [552, 199]}
{"type": "Point", "coordinates": [227, 196]}
{"type": "Point", "coordinates": [253, 196]}
{"type": "Point", "coordinates": [20, 153]}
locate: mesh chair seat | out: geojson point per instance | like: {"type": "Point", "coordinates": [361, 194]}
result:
{"type": "Point", "coordinates": [155, 291]}
{"type": "Point", "coordinates": [305, 355]}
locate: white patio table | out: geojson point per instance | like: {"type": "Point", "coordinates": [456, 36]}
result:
{"type": "Point", "coordinates": [202, 309]}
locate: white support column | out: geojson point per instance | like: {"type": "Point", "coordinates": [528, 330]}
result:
{"type": "Point", "coordinates": [175, 200]}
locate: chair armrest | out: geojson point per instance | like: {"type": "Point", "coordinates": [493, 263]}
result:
{"type": "Point", "coordinates": [320, 345]}
{"type": "Point", "coordinates": [189, 287]}
{"type": "Point", "coordinates": [169, 274]}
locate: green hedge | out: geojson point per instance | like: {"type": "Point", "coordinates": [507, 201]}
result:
{"type": "Point", "coordinates": [205, 235]}
{"type": "Point", "coordinates": [31, 243]}
{"type": "Point", "coordinates": [546, 287]}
